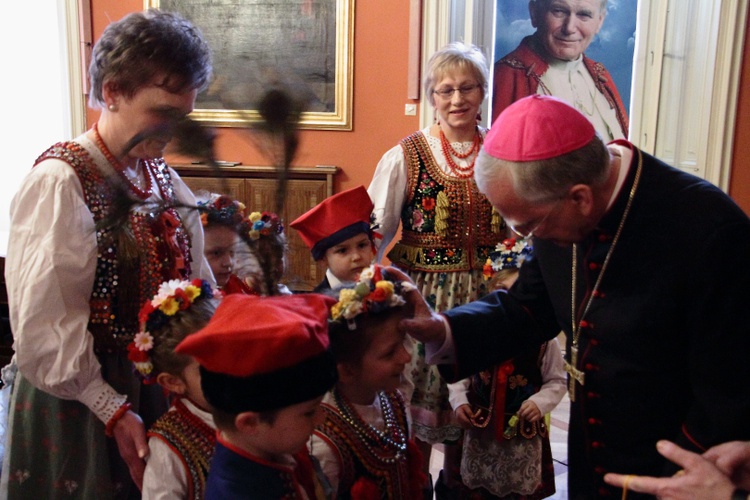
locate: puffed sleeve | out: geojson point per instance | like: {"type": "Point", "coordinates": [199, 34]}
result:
{"type": "Point", "coordinates": [388, 192]}
{"type": "Point", "coordinates": [329, 459]}
{"type": "Point", "coordinates": [191, 220]}
{"type": "Point", "coordinates": [165, 477]}
{"type": "Point", "coordinates": [553, 379]}
{"type": "Point", "coordinates": [50, 271]}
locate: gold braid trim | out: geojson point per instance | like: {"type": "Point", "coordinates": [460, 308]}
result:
{"type": "Point", "coordinates": [442, 214]}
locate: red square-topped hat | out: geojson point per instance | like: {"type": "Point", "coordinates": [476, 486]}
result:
{"type": "Point", "coordinates": [537, 127]}
{"type": "Point", "coordinates": [264, 353]}
{"type": "Point", "coordinates": [335, 219]}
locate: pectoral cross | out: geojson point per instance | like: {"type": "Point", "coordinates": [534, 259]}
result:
{"type": "Point", "coordinates": [575, 375]}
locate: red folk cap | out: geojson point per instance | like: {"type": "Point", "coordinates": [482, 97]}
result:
{"type": "Point", "coordinates": [335, 219]}
{"type": "Point", "coordinates": [264, 353]}
{"type": "Point", "coordinates": [249, 335]}
{"type": "Point", "coordinates": [537, 127]}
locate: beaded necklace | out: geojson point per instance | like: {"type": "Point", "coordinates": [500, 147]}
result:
{"type": "Point", "coordinates": [388, 445]}
{"type": "Point", "coordinates": [120, 168]}
{"type": "Point", "coordinates": [572, 366]}
{"type": "Point", "coordinates": [449, 153]}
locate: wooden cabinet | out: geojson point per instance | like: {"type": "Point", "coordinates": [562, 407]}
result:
{"type": "Point", "coordinates": [256, 188]}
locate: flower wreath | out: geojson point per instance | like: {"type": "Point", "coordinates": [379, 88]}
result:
{"type": "Point", "coordinates": [172, 297]}
{"type": "Point", "coordinates": [221, 210]}
{"type": "Point", "coordinates": [509, 254]}
{"type": "Point", "coordinates": [371, 294]}
{"type": "Point", "coordinates": [260, 224]}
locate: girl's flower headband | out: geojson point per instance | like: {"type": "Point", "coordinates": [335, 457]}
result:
{"type": "Point", "coordinates": [371, 294]}
{"type": "Point", "coordinates": [262, 224]}
{"type": "Point", "coordinates": [509, 254]}
{"type": "Point", "coordinates": [221, 210]}
{"type": "Point", "coordinates": [173, 296]}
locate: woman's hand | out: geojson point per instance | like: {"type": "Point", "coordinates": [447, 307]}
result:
{"type": "Point", "coordinates": [699, 478]}
{"type": "Point", "coordinates": [130, 436]}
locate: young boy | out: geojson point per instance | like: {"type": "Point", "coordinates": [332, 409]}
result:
{"type": "Point", "coordinates": [339, 234]}
{"type": "Point", "coordinates": [264, 368]}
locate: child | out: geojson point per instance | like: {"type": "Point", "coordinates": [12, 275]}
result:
{"type": "Point", "coordinates": [246, 254]}
{"type": "Point", "coordinates": [264, 234]}
{"type": "Point", "coordinates": [264, 368]}
{"type": "Point", "coordinates": [181, 442]}
{"type": "Point", "coordinates": [221, 217]}
{"type": "Point", "coordinates": [339, 234]}
{"type": "Point", "coordinates": [364, 447]}
{"type": "Point", "coordinates": [505, 408]}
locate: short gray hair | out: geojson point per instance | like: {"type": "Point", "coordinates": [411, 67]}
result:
{"type": "Point", "coordinates": [546, 180]}
{"type": "Point", "coordinates": [456, 56]}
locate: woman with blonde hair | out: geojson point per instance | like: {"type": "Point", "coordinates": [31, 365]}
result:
{"type": "Point", "coordinates": [425, 184]}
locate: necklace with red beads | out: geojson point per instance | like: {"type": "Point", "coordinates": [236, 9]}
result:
{"type": "Point", "coordinates": [142, 193]}
{"type": "Point", "coordinates": [462, 172]}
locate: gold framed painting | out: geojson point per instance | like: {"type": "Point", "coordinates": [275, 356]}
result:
{"type": "Point", "coordinates": [307, 44]}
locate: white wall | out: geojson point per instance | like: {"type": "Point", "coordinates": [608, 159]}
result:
{"type": "Point", "coordinates": [34, 90]}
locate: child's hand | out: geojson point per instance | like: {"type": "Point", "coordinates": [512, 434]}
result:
{"type": "Point", "coordinates": [530, 411]}
{"type": "Point", "coordinates": [464, 414]}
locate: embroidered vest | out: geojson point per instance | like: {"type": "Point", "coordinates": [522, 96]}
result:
{"type": "Point", "coordinates": [193, 440]}
{"type": "Point", "coordinates": [361, 458]}
{"type": "Point", "coordinates": [447, 224]}
{"type": "Point", "coordinates": [501, 391]}
{"type": "Point", "coordinates": [162, 246]}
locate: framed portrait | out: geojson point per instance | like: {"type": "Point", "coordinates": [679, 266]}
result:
{"type": "Point", "coordinates": [305, 44]}
{"type": "Point", "coordinates": [613, 46]}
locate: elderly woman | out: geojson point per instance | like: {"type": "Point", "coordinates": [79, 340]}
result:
{"type": "Point", "coordinates": [448, 228]}
{"type": "Point", "coordinates": [552, 62]}
{"type": "Point", "coordinates": [75, 284]}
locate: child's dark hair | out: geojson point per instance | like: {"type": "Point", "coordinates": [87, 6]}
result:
{"type": "Point", "coordinates": [349, 346]}
{"type": "Point", "coordinates": [224, 420]}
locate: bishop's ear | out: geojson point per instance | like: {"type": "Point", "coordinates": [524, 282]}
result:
{"type": "Point", "coordinates": [583, 198]}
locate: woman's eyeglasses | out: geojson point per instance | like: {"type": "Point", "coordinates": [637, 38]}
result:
{"type": "Point", "coordinates": [447, 92]}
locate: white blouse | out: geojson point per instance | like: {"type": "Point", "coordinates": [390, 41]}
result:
{"type": "Point", "coordinates": [554, 382]}
{"type": "Point", "coordinates": [389, 183]}
{"type": "Point", "coordinates": [165, 477]}
{"type": "Point", "coordinates": [50, 271]}
{"type": "Point", "coordinates": [327, 456]}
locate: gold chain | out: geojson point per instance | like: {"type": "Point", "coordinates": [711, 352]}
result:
{"type": "Point", "coordinates": [576, 330]}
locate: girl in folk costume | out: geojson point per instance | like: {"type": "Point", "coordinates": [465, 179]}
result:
{"type": "Point", "coordinates": [448, 228]}
{"type": "Point", "coordinates": [364, 447]}
{"type": "Point", "coordinates": [263, 232]}
{"type": "Point", "coordinates": [181, 442]}
{"type": "Point", "coordinates": [244, 252]}
{"type": "Point", "coordinates": [503, 408]}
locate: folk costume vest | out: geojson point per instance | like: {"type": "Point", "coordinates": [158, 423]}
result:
{"type": "Point", "coordinates": [371, 468]}
{"type": "Point", "coordinates": [499, 393]}
{"type": "Point", "coordinates": [192, 440]}
{"type": "Point", "coordinates": [447, 224]}
{"type": "Point", "coordinates": [161, 243]}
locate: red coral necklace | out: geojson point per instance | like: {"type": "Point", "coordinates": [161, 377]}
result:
{"type": "Point", "coordinates": [142, 193]}
{"type": "Point", "coordinates": [460, 171]}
